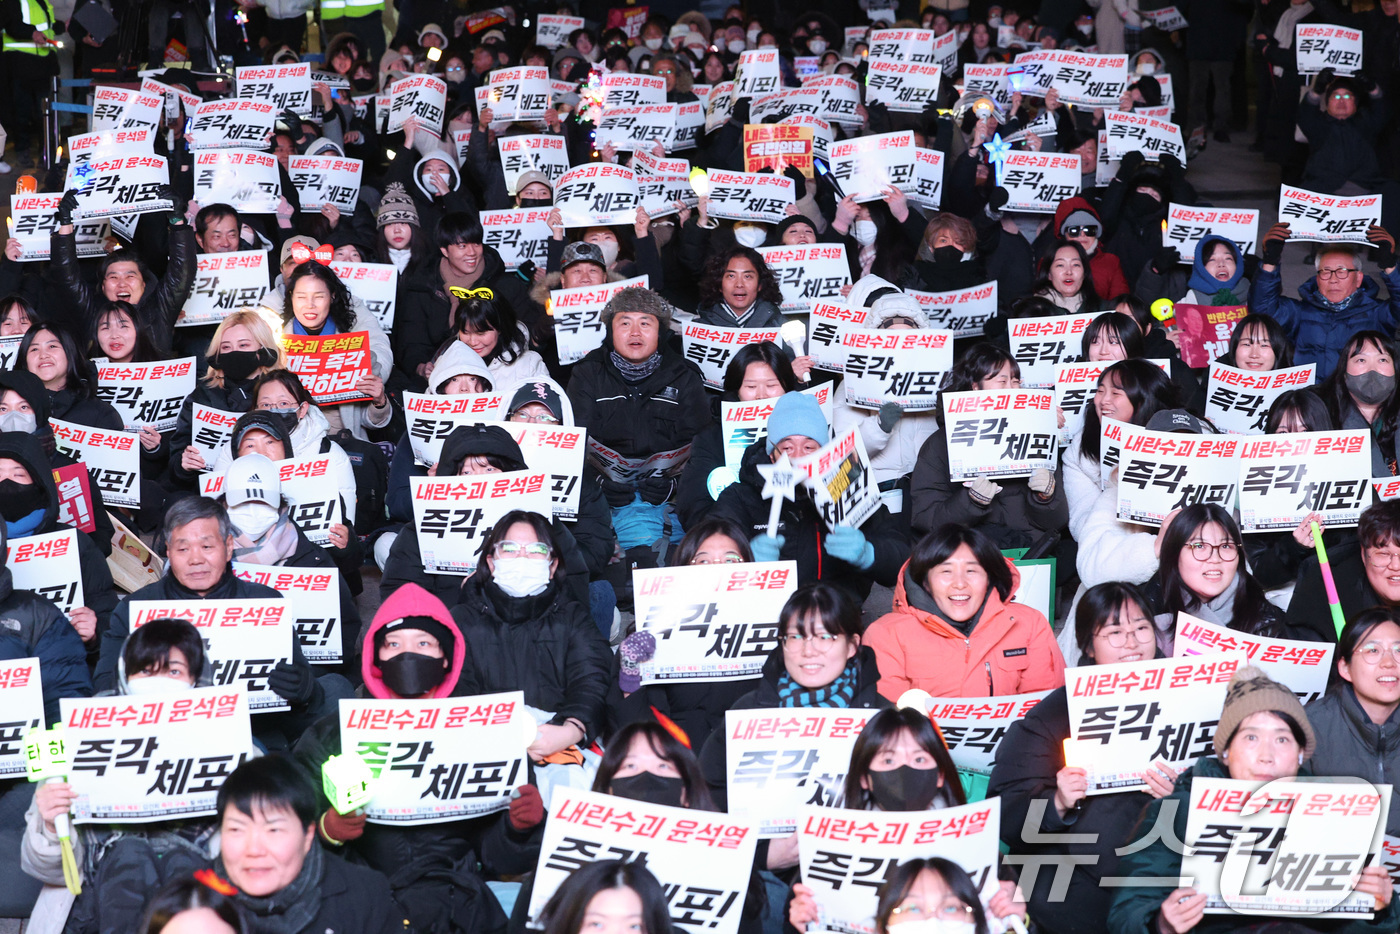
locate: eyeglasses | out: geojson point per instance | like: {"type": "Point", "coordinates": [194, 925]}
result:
{"type": "Point", "coordinates": [1381, 559]}
{"type": "Point", "coordinates": [949, 910]}
{"type": "Point", "coordinates": [537, 419]}
{"type": "Point", "coordinates": [824, 640]}
{"type": "Point", "coordinates": [1119, 637]}
{"type": "Point", "coordinates": [1341, 272]}
{"type": "Point", "coordinates": [508, 549]}
{"type": "Point", "coordinates": [1371, 652]}
{"type": "Point", "coordinates": [1201, 551]}
{"type": "Point", "coordinates": [1088, 230]}
{"type": "Point", "coordinates": [728, 558]}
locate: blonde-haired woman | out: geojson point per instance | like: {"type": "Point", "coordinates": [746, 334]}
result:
{"type": "Point", "coordinates": [243, 348]}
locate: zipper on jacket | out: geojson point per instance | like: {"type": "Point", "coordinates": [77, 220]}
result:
{"type": "Point", "coordinates": [991, 690]}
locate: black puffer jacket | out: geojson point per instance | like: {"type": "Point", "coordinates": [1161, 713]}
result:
{"type": "Point", "coordinates": [32, 627]}
{"type": "Point", "coordinates": [68, 405]}
{"type": "Point", "coordinates": [545, 645]}
{"type": "Point", "coordinates": [712, 754]}
{"type": "Point", "coordinates": [160, 304]}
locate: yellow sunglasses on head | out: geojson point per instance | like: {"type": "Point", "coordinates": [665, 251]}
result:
{"type": "Point", "coordinates": [462, 293]}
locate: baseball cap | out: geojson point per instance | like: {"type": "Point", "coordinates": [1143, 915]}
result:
{"type": "Point", "coordinates": [253, 478]}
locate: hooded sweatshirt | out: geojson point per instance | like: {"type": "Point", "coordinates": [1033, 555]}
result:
{"type": "Point", "coordinates": [410, 600]}
{"type": "Point", "coordinates": [1204, 289]}
{"type": "Point", "coordinates": [1105, 270]}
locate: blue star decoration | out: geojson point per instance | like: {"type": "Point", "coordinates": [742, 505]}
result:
{"type": "Point", "coordinates": [997, 151]}
{"type": "Point", "coordinates": [85, 174]}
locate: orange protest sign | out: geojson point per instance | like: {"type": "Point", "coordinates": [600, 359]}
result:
{"type": "Point", "coordinates": [777, 146]}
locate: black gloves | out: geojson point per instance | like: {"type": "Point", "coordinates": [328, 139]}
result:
{"type": "Point", "coordinates": [998, 198]}
{"type": "Point", "coordinates": [1164, 259]}
{"type": "Point", "coordinates": [179, 203]}
{"type": "Point", "coordinates": [66, 206]}
{"type": "Point", "coordinates": [655, 489]}
{"type": "Point", "coordinates": [1131, 163]}
{"type": "Point", "coordinates": [799, 182]}
{"type": "Point", "coordinates": [617, 494]}
{"type": "Point", "coordinates": [294, 683]}
{"type": "Point", "coordinates": [1385, 246]}
{"type": "Point", "coordinates": [1273, 244]}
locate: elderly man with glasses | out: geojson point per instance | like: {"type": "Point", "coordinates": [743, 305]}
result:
{"type": "Point", "coordinates": [1366, 569]}
{"type": "Point", "coordinates": [1339, 301]}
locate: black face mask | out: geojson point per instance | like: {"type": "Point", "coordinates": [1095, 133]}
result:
{"type": "Point", "coordinates": [536, 202]}
{"type": "Point", "coordinates": [651, 788]}
{"type": "Point", "coordinates": [240, 364]}
{"type": "Point", "coordinates": [947, 254]}
{"type": "Point", "coordinates": [363, 84]}
{"type": "Point", "coordinates": [18, 500]}
{"type": "Point", "coordinates": [1142, 204]}
{"type": "Point", "coordinates": [904, 789]}
{"type": "Point", "coordinates": [409, 674]}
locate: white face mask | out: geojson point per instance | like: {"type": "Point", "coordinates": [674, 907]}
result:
{"type": "Point", "coordinates": [829, 69]}
{"type": "Point", "coordinates": [753, 35]}
{"type": "Point", "coordinates": [609, 248]}
{"type": "Point", "coordinates": [1147, 68]}
{"type": "Point", "coordinates": [653, 44]}
{"type": "Point", "coordinates": [994, 21]}
{"type": "Point", "coordinates": [817, 46]}
{"type": "Point", "coordinates": [253, 518]}
{"type": "Point", "coordinates": [864, 232]}
{"type": "Point", "coordinates": [735, 46]}
{"type": "Point", "coordinates": [750, 236]}
{"type": "Point", "coordinates": [938, 926]}
{"type": "Point", "coordinates": [15, 420]}
{"type": "Point", "coordinates": [521, 577]}
{"type": "Point", "coordinates": [155, 684]}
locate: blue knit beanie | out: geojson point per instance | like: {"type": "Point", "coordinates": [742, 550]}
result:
{"type": "Point", "coordinates": [797, 413]}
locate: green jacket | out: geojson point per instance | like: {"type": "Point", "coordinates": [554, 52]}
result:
{"type": "Point", "coordinates": [1134, 909]}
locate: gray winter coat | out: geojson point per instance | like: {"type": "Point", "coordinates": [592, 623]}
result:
{"type": "Point", "coordinates": [1349, 744]}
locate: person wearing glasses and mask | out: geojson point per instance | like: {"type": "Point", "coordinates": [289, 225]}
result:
{"type": "Point", "coordinates": [1356, 721]}
{"type": "Point", "coordinates": [1366, 570]}
{"type": "Point", "coordinates": [1360, 394]}
{"type": "Point", "coordinates": [1332, 306]}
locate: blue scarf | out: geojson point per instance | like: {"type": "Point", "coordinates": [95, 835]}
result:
{"type": "Point", "coordinates": [26, 525]}
{"type": "Point", "coordinates": [327, 328]}
{"type": "Point", "coordinates": [839, 693]}
{"type": "Point", "coordinates": [1207, 286]}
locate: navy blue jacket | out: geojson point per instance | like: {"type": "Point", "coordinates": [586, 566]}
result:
{"type": "Point", "coordinates": [1319, 334]}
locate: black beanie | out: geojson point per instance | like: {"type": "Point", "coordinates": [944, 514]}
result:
{"type": "Point", "coordinates": [432, 627]}
{"type": "Point", "coordinates": [788, 222]}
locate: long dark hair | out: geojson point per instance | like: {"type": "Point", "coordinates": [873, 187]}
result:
{"type": "Point", "coordinates": [697, 793]}
{"type": "Point", "coordinates": [81, 378]}
{"type": "Point", "coordinates": [563, 914]}
{"type": "Point", "coordinates": [1086, 292]}
{"type": "Point", "coordinates": [1247, 612]}
{"type": "Point", "coordinates": [420, 248]}
{"type": "Point", "coordinates": [700, 532]}
{"type": "Point", "coordinates": [1304, 403]}
{"type": "Point", "coordinates": [765, 352]}
{"type": "Point", "coordinates": [1282, 346]}
{"type": "Point", "coordinates": [901, 880]}
{"type": "Point", "coordinates": [1100, 606]}
{"type": "Point", "coordinates": [190, 893]}
{"type": "Point", "coordinates": [938, 546]}
{"type": "Point", "coordinates": [882, 729]}
{"type": "Point", "coordinates": [147, 346]}
{"type": "Point", "coordinates": [1338, 398]}
{"type": "Point", "coordinates": [342, 312]}
{"type": "Point", "coordinates": [1119, 325]}
{"type": "Point", "coordinates": [712, 279]}
{"type": "Point", "coordinates": [979, 362]}
{"type": "Point", "coordinates": [485, 314]}
{"type": "Point", "coordinates": [894, 254]}
{"type": "Point", "coordinates": [1148, 389]}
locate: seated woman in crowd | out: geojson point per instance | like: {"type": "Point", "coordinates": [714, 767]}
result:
{"type": "Point", "coordinates": [488, 326]}
{"type": "Point", "coordinates": [1360, 393]}
{"type": "Point", "coordinates": [1065, 280]}
{"type": "Point", "coordinates": [71, 381]}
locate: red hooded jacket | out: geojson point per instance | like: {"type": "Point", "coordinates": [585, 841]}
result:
{"type": "Point", "coordinates": [1105, 270]}
{"type": "Point", "coordinates": [411, 600]}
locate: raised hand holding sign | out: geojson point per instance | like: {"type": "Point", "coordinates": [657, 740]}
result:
{"type": "Point", "coordinates": [780, 481]}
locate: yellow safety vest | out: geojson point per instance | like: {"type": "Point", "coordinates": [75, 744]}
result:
{"type": "Point", "coordinates": [36, 14]}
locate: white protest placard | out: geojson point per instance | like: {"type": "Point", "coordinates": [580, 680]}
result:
{"type": "Point", "coordinates": [711, 347]}
{"type": "Point", "coordinates": [998, 433]}
{"type": "Point", "coordinates": [1151, 136]}
{"type": "Point", "coordinates": [807, 66]}
{"type": "Point", "coordinates": [1125, 717]}
{"type": "Point", "coordinates": [702, 859]}
{"type": "Point", "coordinates": [147, 394]}
{"type": "Point", "coordinates": [1043, 126]}
{"type": "Point", "coordinates": [1385, 488]}
{"type": "Point", "coordinates": [973, 727]}
{"type": "Point", "coordinates": [827, 322]}
{"type": "Point", "coordinates": [903, 45]}
{"type": "Point", "coordinates": [1089, 79]}
{"type": "Point", "coordinates": [1075, 385]}
{"type": "Point", "coordinates": [22, 699]}
{"type": "Point", "coordinates": [578, 315]}
{"type": "Point", "coordinates": [558, 451]}
{"type": "Point", "coordinates": [453, 515]}
{"type": "Point", "coordinates": [313, 598]}
{"type": "Point", "coordinates": [461, 142]}
{"type": "Point", "coordinates": [34, 220]}
{"type": "Point", "coordinates": [865, 166]}
{"type": "Point", "coordinates": [847, 855]}
{"type": "Point", "coordinates": [690, 121]}
{"type": "Point", "coordinates": [1327, 218]}
{"type": "Point", "coordinates": [1285, 477]}
{"type": "Point", "coordinates": [840, 99]}
{"type": "Point", "coordinates": [224, 282]}
{"type": "Point", "coordinates": [86, 147]}
{"type": "Point", "coordinates": [990, 80]}
{"type": "Point", "coordinates": [137, 760]}
{"type": "Point", "coordinates": [431, 418]}
{"type": "Point", "coordinates": [631, 128]}
{"type": "Point", "coordinates": [962, 311]}
{"type": "Point", "coordinates": [285, 87]}
{"type": "Point", "coordinates": [375, 284]}
{"type": "Point", "coordinates": [540, 152]}
{"type": "Point", "coordinates": [438, 760]}
{"type": "Point", "coordinates": [614, 466]}
{"type": "Point", "coordinates": [714, 622]}
{"type": "Point", "coordinates": [927, 189]}
{"type": "Point", "coordinates": [176, 97]}
{"type": "Point", "coordinates": [245, 639]}
{"type": "Point", "coordinates": [1390, 858]}
{"type": "Point", "coordinates": [247, 180]}
{"type": "Point", "coordinates": [660, 193]}
{"type": "Point", "coordinates": [625, 89]}
{"type": "Point", "coordinates": [1302, 667]}
{"type": "Point", "coordinates": [520, 235]}
{"type": "Point", "coordinates": [122, 108]}
{"type": "Point", "coordinates": [231, 124]}
{"type": "Point", "coordinates": [841, 482]}
{"type": "Point", "coordinates": [821, 133]}
{"type": "Point", "coordinates": [896, 365]}
{"type": "Point", "coordinates": [1319, 46]}
{"type": "Point", "coordinates": [1187, 226]}
{"type": "Point", "coordinates": [646, 163]}
{"type": "Point", "coordinates": [423, 97]}
{"type": "Point", "coordinates": [1038, 181]}
{"type": "Point", "coordinates": [757, 73]}
{"type": "Point", "coordinates": [597, 194]}
{"type": "Point", "coordinates": [1161, 471]}
{"type": "Point", "coordinates": [1288, 848]}
{"type": "Point", "coordinates": [750, 196]}
{"type": "Point", "coordinates": [9, 351]}
{"type": "Point", "coordinates": [323, 180]}
{"type": "Point", "coordinates": [903, 87]}
{"type": "Point", "coordinates": [112, 457]}
{"type": "Point", "coordinates": [719, 106]}
{"type": "Point", "coordinates": [552, 31]}
{"type": "Point", "coordinates": [1238, 401]}
{"type": "Point", "coordinates": [780, 761]}
{"type": "Point", "coordinates": [308, 486]}
{"type": "Point", "coordinates": [1033, 72]}
{"type": "Point", "coordinates": [1039, 345]}
{"type": "Point", "coordinates": [1167, 19]}
{"type": "Point", "coordinates": [1105, 169]}
{"type": "Point", "coordinates": [520, 93]}
{"type": "Point", "coordinates": [743, 423]}
{"type": "Point", "coordinates": [211, 431]}
{"type": "Point", "coordinates": [120, 184]}
{"type": "Point", "coordinates": [809, 273]}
